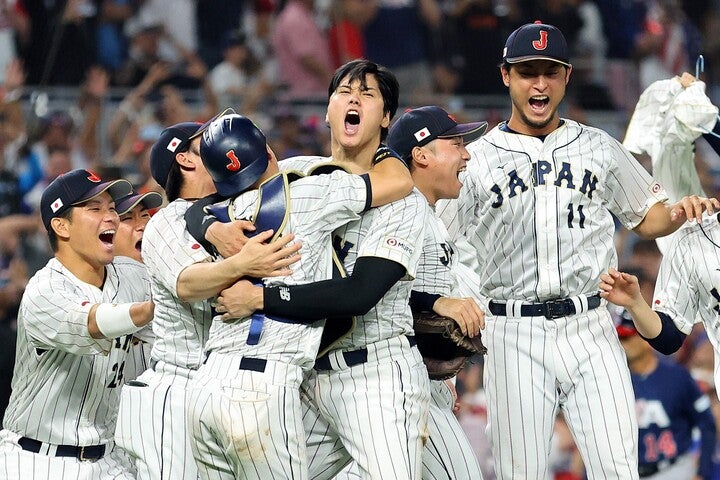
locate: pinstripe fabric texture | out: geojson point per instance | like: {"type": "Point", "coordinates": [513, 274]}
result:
{"type": "Point", "coordinates": [66, 385]}
{"type": "Point", "coordinates": [537, 214]}
{"type": "Point", "coordinates": [248, 424]}
{"type": "Point", "coordinates": [689, 279]}
{"type": "Point", "coordinates": [152, 426]}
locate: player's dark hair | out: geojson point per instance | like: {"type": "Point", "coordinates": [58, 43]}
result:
{"type": "Point", "coordinates": [175, 182]}
{"type": "Point", "coordinates": [52, 236]}
{"type": "Point", "coordinates": [357, 70]}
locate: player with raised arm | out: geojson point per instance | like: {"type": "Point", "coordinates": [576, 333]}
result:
{"type": "Point", "coordinates": [536, 209]}
{"type": "Point", "coordinates": [75, 325]}
{"type": "Point", "coordinates": [377, 361]}
{"type": "Point", "coordinates": [152, 426]}
{"type": "Point", "coordinates": [244, 404]}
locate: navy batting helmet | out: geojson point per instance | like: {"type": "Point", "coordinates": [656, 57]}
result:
{"type": "Point", "coordinates": [234, 152]}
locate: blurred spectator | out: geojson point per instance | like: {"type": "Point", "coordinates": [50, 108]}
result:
{"type": "Point", "coordinates": [239, 79]}
{"type": "Point", "coordinates": [291, 137]}
{"type": "Point", "coordinates": [670, 43]}
{"type": "Point", "coordinates": [13, 21]}
{"type": "Point", "coordinates": [179, 21]}
{"type": "Point", "coordinates": [623, 23]}
{"type": "Point", "coordinates": [669, 405]}
{"type": "Point", "coordinates": [112, 44]}
{"type": "Point", "coordinates": [143, 52]}
{"type": "Point", "coordinates": [479, 24]}
{"type": "Point", "coordinates": [346, 32]}
{"type": "Point", "coordinates": [214, 18]}
{"type": "Point", "coordinates": [56, 28]}
{"type": "Point", "coordinates": [397, 37]}
{"type": "Point", "coordinates": [302, 51]}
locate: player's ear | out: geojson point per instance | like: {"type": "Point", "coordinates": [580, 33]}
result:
{"type": "Point", "coordinates": [505, 73]}
{"type": "Point", "coordinates": [419, 157]}
{"type": "Point", "coordinates": [567, 74]}
{"type": "Point", "coordinates": [386, 120]}
{"type": "Point", "coordinates": [60, 226]}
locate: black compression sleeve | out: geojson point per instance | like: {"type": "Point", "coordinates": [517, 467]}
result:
{"type": "Point", "coordinates": [422, 302]}
{"type": "Point", "coordinates": [712, 139]}
{"type": "Point", "coordinates": [372, 277]}
{"type": "Point", "coordinates": [197, 221]}
{"type": "Point", "coordinates": [670, 337]}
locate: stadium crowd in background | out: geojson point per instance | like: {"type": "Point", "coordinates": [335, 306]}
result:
{"type": "Point", "coordinates": [93, 83]}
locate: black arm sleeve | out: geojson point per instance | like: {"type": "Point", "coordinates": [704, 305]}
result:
{"type": "Point", "coordinates": [712, 139]}
{"type": "Point", "coordinates": [372, 277]}
{"type": "Point", "coordinates": [197, 221]}
{"type": "Point", "coordinates": [670, 337]}
{"type": "Point", "coordinates": [422, 302]}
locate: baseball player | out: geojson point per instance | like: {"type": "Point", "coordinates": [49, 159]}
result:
{"type": "Point", "coordinates": [669, 405]}
{"type": "Point", "coordinates": [433, 144]}
{"type": "Point", "coordinates": [535, 209]}
{"type": "Point", "coordinates": [134, 212]}
{"type": "Point", "coordinates": [76, 320]}
{"type": "Point", "coordinates": [244, 404]}
{"type": "Point", "coordinates": [372, 384]}
{"type": "Point", "coordinates": [151, 425]}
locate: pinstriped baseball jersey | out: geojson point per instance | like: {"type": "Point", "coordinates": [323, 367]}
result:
{"type": "Point", "coordinates": [688, 284]}
{"type": "Point", "coordinates": [66, 384]}
{"type": "Point", "coordinates": [438, 259]}
{"type": "Point", "coordinates": [395, 232]}
{"type": "Point", "coordinates": [318, 205]}
{"type": "Point", "coordinates": [181, 328]}
{"type": "Point", "coordinates": [537, 211]}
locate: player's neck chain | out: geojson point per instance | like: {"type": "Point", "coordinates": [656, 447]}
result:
{"type": "Point", "coordinates": [717, 218]}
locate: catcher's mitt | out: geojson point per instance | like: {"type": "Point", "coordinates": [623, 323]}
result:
{"type": "Point", "coordinates": [444, 347]}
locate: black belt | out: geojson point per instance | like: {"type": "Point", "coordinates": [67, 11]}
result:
{"type": "Point", "coordinates": [254, 364]}
{"type": "Point", "coordinates": [352, 357]}
{"type": "Point", "coordinates": [88, 453]}
{"type": "Point", "coordinates": [549, 309]}
{"type": "Point", "coordinates": [648, 469]}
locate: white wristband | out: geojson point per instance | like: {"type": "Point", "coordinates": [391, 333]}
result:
{"type": "Point", "coordinates": [114, 320]}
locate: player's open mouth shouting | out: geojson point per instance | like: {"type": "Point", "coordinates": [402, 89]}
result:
{"type": "Point", "coordinates": [352, 122]}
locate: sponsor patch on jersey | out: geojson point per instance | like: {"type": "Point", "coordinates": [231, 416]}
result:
{"type": "Point", "coordinates": [655, 187]}
{"type": "Point", "coordinates": [398, 244]}
{"type": "Point", "coordinates": [173, 145]}
{"type": "Point", "coordinates": [56, 205]}
{"type": "Point", "coordinates": [422, 134]}
{"type": "Point", "coordinates": [195, 246]}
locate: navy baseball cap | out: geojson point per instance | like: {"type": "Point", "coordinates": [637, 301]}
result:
{"type": "Point", "coordinates": [149, 200]}
{"type": "Point", "coordinates": [536, 41]}
{"type": "Point", "coordinates": [75, 187]}
{"type": "Point", "coordinates": [626, 327]}
{"type": "Point", "coordinates": [172, 140]}
{"type": "Point", "coordinates": [419, 126]}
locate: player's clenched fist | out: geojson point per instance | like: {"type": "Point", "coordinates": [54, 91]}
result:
{"type": "Point", "coordinates": [239, 301]}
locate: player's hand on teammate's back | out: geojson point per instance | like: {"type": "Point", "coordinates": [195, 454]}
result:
{"type": "Point", "coordinates": [229, 238]}
{"type": "Point", "coordinates": [691, 207]}
{"type": "Point", "coordinates": [259, 259]}
{"type": "Point", "coordinates": [620, 288]}
{"type": "Point", "coordinates": [466, 313]}
{"type": "Point", "coordinates": [239, 300]}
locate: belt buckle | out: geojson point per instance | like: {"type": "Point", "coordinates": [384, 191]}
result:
{"type": "Point", "coordinates": [82, 457]}
{"type": "Point", "coordinates": [554, 309]}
